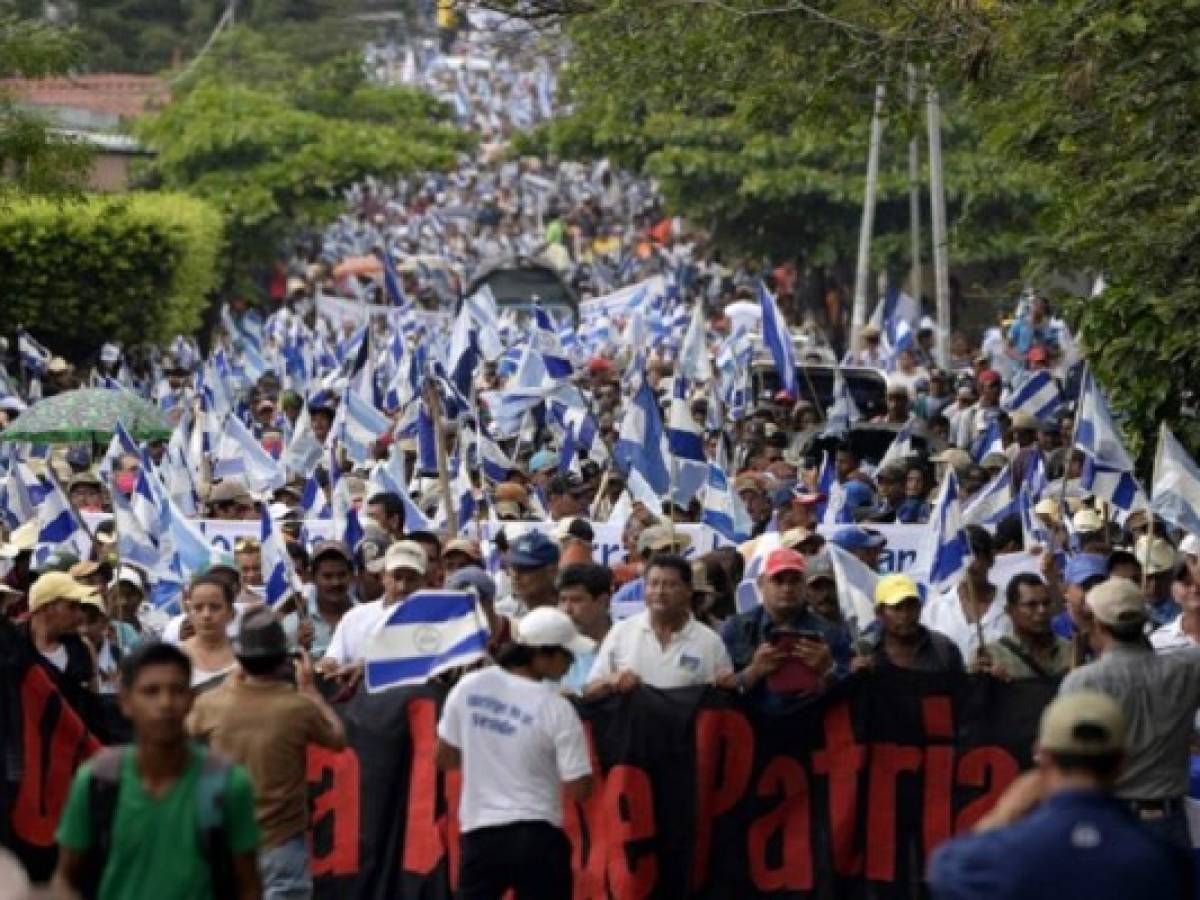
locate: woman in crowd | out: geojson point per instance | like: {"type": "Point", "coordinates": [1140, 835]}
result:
{"type": "Point", "coordinates": [210, 610]}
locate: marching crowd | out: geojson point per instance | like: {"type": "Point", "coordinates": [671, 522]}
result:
{"type": "Point", "coordinates": [357, 462]}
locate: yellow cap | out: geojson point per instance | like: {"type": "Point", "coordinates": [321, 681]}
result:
{"type": "Point", "coordinates": [56, 586]}
{"type": "Point", "coordinates": [895, 589]}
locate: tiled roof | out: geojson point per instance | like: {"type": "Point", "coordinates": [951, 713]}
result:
{"type": "Point", "coordinates": [120, 95]}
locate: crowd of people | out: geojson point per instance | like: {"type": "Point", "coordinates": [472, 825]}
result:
{"type": "Point", "coordinates": [386, 455]}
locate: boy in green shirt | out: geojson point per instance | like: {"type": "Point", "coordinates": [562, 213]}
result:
{"type": "Point", "coordinates": [162, 818]}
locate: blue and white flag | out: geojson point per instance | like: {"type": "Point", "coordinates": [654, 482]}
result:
{"type": "Point", "coordinates": [1037, 394]}
{"type": "Point", "coordinates": [279, 576]}
{"type": "Point", "coordinates": [991, 441]}
{"type": "Point", "coordinates": [1033, 531]}
{"type": "Point", "coordinates": [724, 511]}
{"type": "Point", "coordinates": [901, 447]}
{"type": "Point", "coordinates": [313, 502]}
{"type": "Point", "coordinates": [430, 632]}
{"type": "Point", "coordinates": [58, 526]}
{"type": "Point", "coordinates": [361, 426]}
{"type": "Point", "coordinates": [546, 342]}
{"type": "Point", "coordinates": [1175, 487]}
{"type": "Point", "coordinates": [947, 547]}
{"type": "Point", "coordinates": [843, 412]}
{"type": "Point", "coordinates": [779, 342]}
{"type": "Point", "coordinates": [303, 451]}
{"type": "Point", "coordinates": [640, 441]}
{"type": "Point", "coordinates": [693, 362]}
{"type": "Point", "coordinates": [1107, 468]}
{"type": "Point", "coordinates": [392, 285]}
{"type": "Point", "coordinates": [686, 443]}
{"type": "Point", "coordinates": [855, 587]}
{"type": "Point", "coordinates": [34, 357]}
{"type": "Point", "coordinates": [239, 455]}
{"type": "Point", "coordinates": [993, 502]}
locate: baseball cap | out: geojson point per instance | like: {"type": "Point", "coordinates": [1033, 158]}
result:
{"type": "Point", "coordinates": [87, 478]}
{"type": "Point", "coordinates": [1036, 354]}
{"type": "Point", "coordinates": [132, 576]}
{"type": "Point", "coordinates": [465, 546]}
{"type": "Point", "coordinates": [56, 586]}
{"type": "Point", "coordinates": [793, 538]}
{"type": "Point", "coordinates": [818, 566]}
{"type": "Point", "coordinates": [260, 635]}
{"type": "Point", "coordinates": [855, 537]}
{"type": "Point", "coordinates": [574, 528]}
{"type": "Point", "coordinates": [989, 376]}
{"type": "Point", "coordinates": [1156, 556]}
{"type": "Point", "coordinates": [547, 626]}
{"type": "Point", "coordinates": [402, 555]}
{"type": "Point", "coordinates": [1082, 723]}
{"type": "Point", "coordinates": [230, 491]}
{"type": "Point", "coordinates": [1082, 566]}
{"type": "Point", "coordinates": [543, 460]}
{"type": "Point", "coordinates": [22, 539]}
{"type": "Point", "coordinates": [332, 548]}
{"type": "Point", "coordinates": [957, 458]}
{"type": "Point", "coordinates": [663, 537]}
{"type": "Point", "coordinates": [473, 577]}
{"type": "Point", "coordinates": [1023, 421]}
{"type": "Point", "coordinates": [1117, 601]}
{"type": "Point", "coordinates": [783, 560]}
{"type": "Point", "coordinates": [1087, 520]}
{"type": "Point", "coordinates": [892, 590]}
{"type": "Point", "coordinates": [533, 550]}
{"type": "Point", "coordinates": [84, 568]}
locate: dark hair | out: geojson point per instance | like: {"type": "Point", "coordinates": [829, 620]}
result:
{"type": "Point", "coordinates": [299, 554]}
{"type": "Point", "coordinates": [592, 577]}
{"type": "Point", "coordinates": [1182, 573]}
{"type": "Point", "coordinates": [228, 594]}
{"type": "Point", "coordinates": [848, 450]}
{"type": "Point", "coordinates": [391, 503]}
{"type": "Point", "coordinates": [426, 537]}
{"type": "Point", "coordinates": [511, 654]}
{"type": "Point", "coordinates": [1100, 765]}
{"type": "Point", "coordinates": [980, 541]}
{"type": "Point", "coordinates": [1012, 593]}
{"type": "Point", "coordinates": [671, 561]}
{"type": "Point", "coordinates": [1009, 532]}
{"type": "Point", "coordinates": [334, 555]}
{"type": "Point", "coordinates": [1126, 632]}
{"type": "Point", "coordinates": [153, 653]}
{"type": "Point", "coordinates": [1122, 557]}
{"type": "Point", "coordinates": [263, 666]}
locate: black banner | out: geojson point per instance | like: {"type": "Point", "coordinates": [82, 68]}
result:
{"type": "Point", "coordinates": [697, 793]}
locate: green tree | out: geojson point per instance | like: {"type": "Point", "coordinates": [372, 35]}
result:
{"type": "Point", "coordinates": [32, 157]}
{"type": "Point", "coordinates": [275, 153]}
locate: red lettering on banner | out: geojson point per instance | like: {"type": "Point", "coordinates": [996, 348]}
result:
{"type": "Point", "coordinates": [791, 821]}
{"type": "Point", "coordinates": [424, 834]}
{"type": "Point", "coordinates": [49, 763]}
{"type": "Point", "coordinates": [842, 760]}
{"type": "Point", "coordinates": [994, 767]}
{"type": "Point", "coordinates": [724, 756]}
{"type": "Point", "coordinates": [938, 813]}
{"type": "Point", "coordinates": [888, 761]}
{"type": "Point", "coordinates": [338, 802]}
{"type": "Point", "coordinates": [628, 816]}
{"type": "Point", "coordinates": [584, 825]}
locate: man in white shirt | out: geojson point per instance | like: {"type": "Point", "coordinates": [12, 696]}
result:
{"type": "Point", "coordinates": [957, 612]}
{"type": "Point", "coordinates": [664, 646]}
{"type": "Point", "coordinates": [403, 568]}
{"type": "Point", "coordinates": [520, 745]}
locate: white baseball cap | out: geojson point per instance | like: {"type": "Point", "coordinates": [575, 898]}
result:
{"type": "Point", "coordinates": [401, 555]}
{"type": "Point", "coordinates": [547, 626]}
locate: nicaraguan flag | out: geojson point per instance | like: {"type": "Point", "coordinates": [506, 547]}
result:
{"type": "Point", "coordinates": [546, 342]}
{"type": "Point", "coordinates": [34, 357]}
{"type": "Point", "coordinates": [779, 341]}
{"type": "Point", "coordinates": [1036, 394]}
{"type": "Point", "coordinates": [901, 447]}
{"type": "Point", "coordinates": [58, 526]}
{"type": "Point", "coordinates": [947, 546]}
{"type": "Point", "coordinates": [392, 285]}
{"type": "Point", "coordinates": [723, 509]}
{"type": "Point", "coordinates": [1107, 468]}
{"type": "Point", "coordinates": [855, 586]}
{"type": "Point", "coordinates": [426, 634]}
{"type": "Point", "coordinates": [279, 578]}
{"type": "Point", "coordinates": [362, 425]}
{"type": "Point", "coordinates": [993, 502]}
{"type": "Point", "coordinates": [991, 441]}
{"type": "Point", "coordinates": [640, 441]}
{"type": "Point", "coordinates": [843, 411]}
{"type": "Point", "coordinates": [239, 455]}
{"type": "Point", "coordinates": [1175, 487]}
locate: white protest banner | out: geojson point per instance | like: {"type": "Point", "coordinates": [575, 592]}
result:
{"type": "Point", "coordinates": [339, 310]}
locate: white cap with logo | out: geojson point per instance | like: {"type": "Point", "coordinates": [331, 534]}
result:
{"type": "Point", "coordinates": [547, 626]}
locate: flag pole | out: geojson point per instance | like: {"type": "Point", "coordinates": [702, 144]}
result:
{"type": "Point", "coordinates": [937, 202]}
{"type": "Point", "coordinates": [858, 313]}
{"type": "Point", "coordinates": [435, 409]}
{"type": "Point", "coordinates": [914, 195]}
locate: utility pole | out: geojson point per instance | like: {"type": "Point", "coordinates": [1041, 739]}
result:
{"type": "Point", "coordinates": [937, 202]}
{"type": "Point", "coordinates": [914, 195]}
{"type": "Point", "coordinates": [858, 314]}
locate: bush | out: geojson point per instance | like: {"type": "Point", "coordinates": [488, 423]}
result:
{"type": "Point", "coordinates": [135, 268]}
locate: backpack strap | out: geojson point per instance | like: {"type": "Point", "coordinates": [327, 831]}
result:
{"type": "Point", "coordinates": [104, 790]}
{"type": "Point", "coordinates": [213, 834]}
{"type": "Point", "coordinates": [1016, 650]}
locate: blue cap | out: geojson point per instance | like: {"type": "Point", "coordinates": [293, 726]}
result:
{"type": "Point", "coordinates": [473, 577]}
{"type": "Point", "coordinates": [543, 459]}
{"type": "Point", "coordinates": [79, 456]}
{"type": "Point", "coordinates": [1082, 566]}
{"type": "Point", "coordinates": [857, 494]}
{"type": "Point", "coordinates": [855, 537]}
{"type": "Point", "coordinates": [532, 550]}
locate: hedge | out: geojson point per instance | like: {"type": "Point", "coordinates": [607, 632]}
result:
{"type": "Point", "coordinates": [134, 268]}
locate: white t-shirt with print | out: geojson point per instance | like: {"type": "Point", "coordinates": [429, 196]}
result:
{"type": "Point", "coordinates": [520, 740]}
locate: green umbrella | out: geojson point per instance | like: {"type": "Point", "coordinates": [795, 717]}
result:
{"type": "Point", "coordinates": [87, 414]}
